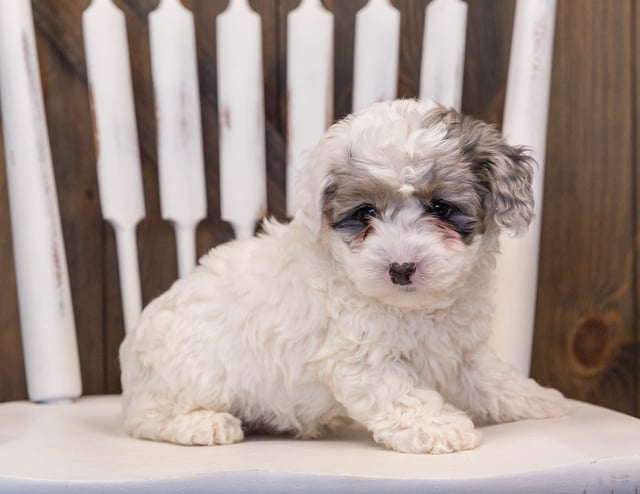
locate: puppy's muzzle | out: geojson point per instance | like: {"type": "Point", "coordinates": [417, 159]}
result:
{"type": "Point", "coordinates": [401, 273]}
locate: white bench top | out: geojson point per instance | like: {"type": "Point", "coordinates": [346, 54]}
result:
{"type": "Point", "coordinates": [81, 447]}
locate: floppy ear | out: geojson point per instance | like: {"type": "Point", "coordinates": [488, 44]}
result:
{"type": "Point", "coordinates": [311, 182]}
{"type": "Point", "coordinates": [511, 171]}
{"type": "Point", "coordinates": [505, 171]}
{"type": "Point", "coordinates": [313, 178]}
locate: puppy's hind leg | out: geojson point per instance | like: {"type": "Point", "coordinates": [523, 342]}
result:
{"type": "Point", "coordinates": [492, 391]}
{"type": "Point", "coordinates": [197, 427]}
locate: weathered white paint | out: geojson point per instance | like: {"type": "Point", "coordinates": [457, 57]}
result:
{"type": "Point", "coordinates": [119, 174]}
{"type": "Point", "coordinates": [243, 194]}
{"type": "Point", "coordinates": [180, 157]}
{"type": "Point", "coordinates": [46, 314]}
{"type": "Point", "coordinates": [525, 122]}
{"type": "Point", "coordinates": [442, 66]}
{"type": "Point", "coordinates": [375, 64]}
{"type": "Point", "coordinates": [82, 448]}
{"type": "Point", "coordinates": [309, 85]}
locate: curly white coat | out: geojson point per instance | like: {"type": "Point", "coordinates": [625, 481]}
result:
{"type": "Point", "coordinates": [301, 327]}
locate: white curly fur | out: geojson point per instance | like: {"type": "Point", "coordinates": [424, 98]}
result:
{"type": "Point", "coordinates": [300, 328]}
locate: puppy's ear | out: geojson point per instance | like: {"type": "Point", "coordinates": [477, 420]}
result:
{"type": "Point", "coordinates": [312, 181]}
{"type": "Point", "coordinates": [505, 171]}
{"type": "Point", "coordinates": [315, 177]}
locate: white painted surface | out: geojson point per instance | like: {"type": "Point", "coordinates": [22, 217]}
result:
{"type": "Point", "coordinates": [375, 63]}
{"type": "Point", "coordinates": [82, 447]}
{"type": "Point", "coordinates": [46, 313]}
{"type": "Point", "coordinates": [180, 156]}
{"type": "Point", "coordinates": [119, 174]}
{"type": "Point", "coordinates": [243, 194]}
{"type": "Point", "coordinates": [525, 123]}
{"type": "Point", "coordinates": [442, 69]}
{"type": "Point", "coordinates": [309, 85]}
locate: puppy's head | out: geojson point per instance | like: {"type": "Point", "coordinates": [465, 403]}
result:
{"type": "Point", "coordinates": [405, 191]}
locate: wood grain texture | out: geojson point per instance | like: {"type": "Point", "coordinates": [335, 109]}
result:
{"type": "Point", "coordinates": [13, 385]}
{"type": "Point", "coordinates": [213, 230]}
{"type": "Point", "coordinates": [489, 26]}
{"type": "Point", "coordinates": [586, 338]}
{"type": "Point", "coordinates": [635, 19]}
{"type": "Point", "coordinates": [344, 23]}
{"type": "Point", "coordinates": [587, 330]}
{"type": "Point", "coordinates": [412, 18]}
{"type": "Point", "coordinates": [274, 74]}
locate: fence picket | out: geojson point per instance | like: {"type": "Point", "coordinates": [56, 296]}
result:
{"type": "Point", "coordinates": [309, 85]}
{"type": "Point", "coordinates": [525, 122]}
{"type": "Point", "coordinates": [442, 67]}
{"type": "Point", "coordinates": [118, 160]}
{"type": "Point", "coordinates": [375, 64]}
{"type": "Point", "coordinates": [46, 314]}
{"type": "Point", "coordinates": [180, 155]}
{"type": "Point", "coordinates": [241, 117]}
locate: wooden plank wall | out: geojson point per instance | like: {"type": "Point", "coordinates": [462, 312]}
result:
{"type": "Point", "coordinates": [587, 332]}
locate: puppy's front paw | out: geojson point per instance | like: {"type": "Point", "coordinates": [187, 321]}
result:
{"type": "Point", "coordinates": [206, 428]}
{"type": "Point", "coordinates": [450, 431]}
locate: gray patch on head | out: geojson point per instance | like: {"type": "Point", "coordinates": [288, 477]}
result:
{"type": "Point", "coordinates": [503, 172]}
{"type": "Point", "coordinates": [448, 180]}
{"type": "Point", "coordinates": [352, 186]}
{"type": "Point", "coordinates": [452, 181]}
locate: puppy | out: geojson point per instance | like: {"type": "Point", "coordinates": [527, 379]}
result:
{"type": "Point", "coordinates": [372, 304]}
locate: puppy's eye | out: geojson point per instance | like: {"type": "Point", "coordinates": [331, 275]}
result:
{"type": "Point", "coordinates": [442, 210]}
{"type": "Point", "coordinates": [364, 214]}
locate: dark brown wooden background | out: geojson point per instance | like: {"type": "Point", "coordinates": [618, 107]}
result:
{"type": "Point", "coordinates": [587, 332]}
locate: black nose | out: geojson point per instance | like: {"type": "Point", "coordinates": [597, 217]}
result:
{"type": "Point", "coordinates": [401, 273]}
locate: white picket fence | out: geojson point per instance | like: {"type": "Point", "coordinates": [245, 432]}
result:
{"type": "Point", "coordinates": [51, 356]}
